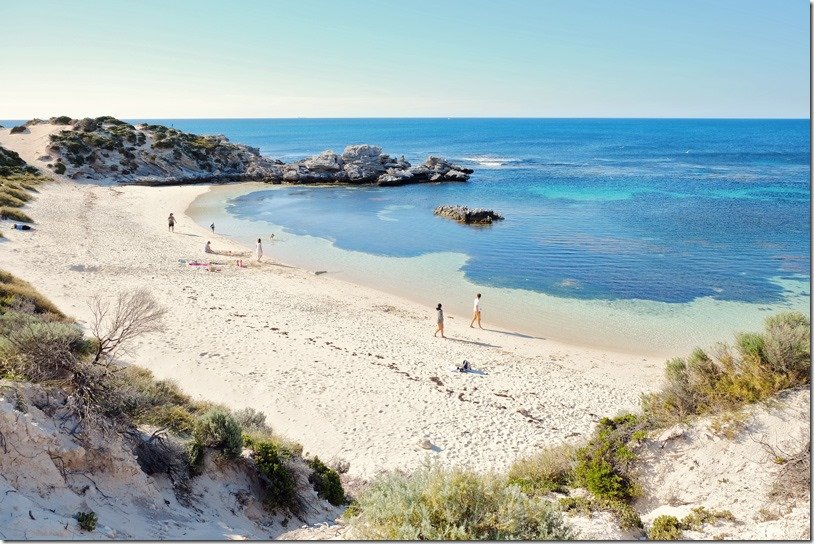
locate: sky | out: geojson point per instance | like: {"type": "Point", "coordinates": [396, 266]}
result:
{"type": "Point", "coordinates": [405, 58]}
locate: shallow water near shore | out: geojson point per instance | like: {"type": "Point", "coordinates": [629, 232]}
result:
{"type": "Point", "coordinates": [650, 236]}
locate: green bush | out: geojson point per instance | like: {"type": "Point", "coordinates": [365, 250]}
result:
{"type": "Point", "coordinates": [218, 429]}
{"type": "Point", "coordinates": [604, 464]}
{"type": "Point", "coordinates": [18, 129]}
{"type": "Point", "coordinates": [87, 520]}
{"type": "Point", "coordinates": [250, 419]}
{"type": "Point", "coordinates": [326, 482]}
{"type": "Point", "coordinates": [433, 504]}
{"type": "Point", "coordinates": [700, 516]}
{"type": "Point", "coordinates": [665, 528]}
{"type": "Point", "coordinates": [176, 418]}
{"type": "Point", "coordinates": [40, 350]}
{"type": "Point", "coordinates": [787, 345]}
{"type": "Point", "coordinates": [760, 366]}
{"type": "Point", "coordinates": [14, 214]}
{"type": "Point", "coordinates": [280, 482]}
{"type": "Point", "coordinates": [550, 470]}
{"type": "Point", "coordinates": [59, 168]}
{"type": "Point", "coordinates": [626, 516]}
{"type": "Point", "coordinates": [61, 120]}
{"type": "Point", "coordinates": [195, 458]}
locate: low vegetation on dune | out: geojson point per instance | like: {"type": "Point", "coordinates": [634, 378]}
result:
{"type": "Point", "coordinates": [169, 432]}
{"type": "Point", "coordinates": [107, 146]}
{"type": "Point", "coordinates": [436, 504]}
{"type": "Point", "coordinates": [18, 182]}
{"type": "Point", "coordinates": [756, 368]}
{"type": "Point", "coordinates": [599, 474]}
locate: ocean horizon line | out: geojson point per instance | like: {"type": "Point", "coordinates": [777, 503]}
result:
{"type": "Point", "coordinates": [487, 117]}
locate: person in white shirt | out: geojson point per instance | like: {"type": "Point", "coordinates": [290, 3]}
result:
{"type": "Point", "coordinates": [476, 314]}
{"type": "Point", "coordinates": [259, 250]}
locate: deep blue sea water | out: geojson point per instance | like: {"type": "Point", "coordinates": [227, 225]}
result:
{"type": "Point", "coordinates": [666, 210]}
{"type": "Point", "coordinates": [660, 209]}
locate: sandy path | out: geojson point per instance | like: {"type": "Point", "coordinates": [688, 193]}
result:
{"type": "Point", "coordinates": [348, 371]}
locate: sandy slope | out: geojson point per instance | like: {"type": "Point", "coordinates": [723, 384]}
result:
{"type": "Point", "coordinates": [48, 475]}
{"type": "Point", "coordinates": [348, 371]}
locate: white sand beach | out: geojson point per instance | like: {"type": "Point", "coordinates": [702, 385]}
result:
{"type": "Point", "coordinates": [348, 371]}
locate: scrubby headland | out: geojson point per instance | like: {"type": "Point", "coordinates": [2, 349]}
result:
{"type": "Point", "coordinates": [106, 148]}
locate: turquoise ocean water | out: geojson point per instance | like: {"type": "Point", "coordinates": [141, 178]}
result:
{"type": "Point", "coordinates": [646, 234]}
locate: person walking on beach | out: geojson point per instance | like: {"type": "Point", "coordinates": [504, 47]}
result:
{"type": "Point", "coordinates": [440, 321]}
{"type": "Point", "coordinates": [171, 222]}
{"type": "Point", "coordinates": [212, 226]}
{"type": "Point", "coordinates": [259, 250]}
{"type": "Point", "coordinates": [476, 312]}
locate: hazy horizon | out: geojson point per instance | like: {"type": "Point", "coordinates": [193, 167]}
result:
{"type": "Point", "coordinates": [153, 118]}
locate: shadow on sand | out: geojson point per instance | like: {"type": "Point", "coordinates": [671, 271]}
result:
{"type": "Point", "coordinates": [484, 344]}
{"type": "Point", "coordinates": [521, 335]}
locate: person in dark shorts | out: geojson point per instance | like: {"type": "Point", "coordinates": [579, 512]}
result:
{"type": "Point", "coordinates": [440, 321]}
{"type": "Point", "coordinates": [171, 222]}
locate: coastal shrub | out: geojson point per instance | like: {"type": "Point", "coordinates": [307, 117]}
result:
{"type": "Point", "coordinates": [15, 292]}
{"type": "Point", "coordinates": [173, 417]}
{"type": "Point", "coordinates": [793, 481]}
{"type": "Point", "coordinates": [14, 191]}
{"type": "Point", "coordinates": [626, 516]}
{"type": "Point", "coordinates": [434, 504]}
{"type": "Point", "coordinates": [700, 516]}
{"type": "Point", "coordinates": [787, 345]}
{"type": "Point", "coordinates": [250, 419]}
{"type": "Point", "coordinates": [59, 168]}
{"type": "Point", "coordinates": [550, 470]}
{"type": "Point", "coordinates": [158, 454]}
{"type": "Point", "coordinates": [61, 120]}
{"type": "Point", "coordinates": [759, 366]}
{"type": "Point", "coordinates": [41, 350]}
{"type": "Point", "coordinates": [87, 520]}
{"type": "Point", "coordinates": [218, 429]}
{"type": "Point", "coordinates": [195, 457]}
{"type": "Point", "coordinates": [13, 214]}
{"type": "Point", "coordinates": [18, 129]}
{"type": "Point", "coordinates": [603, 465]}
{"type": "Point", "coordinates": [10, 200]}
{"type": "Point", "coordinates": [265, 434]}
{"type": "Point", "coordinates": [665, 528]}
{"type": "Point", "coordinates": [326, 482]}
{"type": "Point", "coordinates": [280, 484]}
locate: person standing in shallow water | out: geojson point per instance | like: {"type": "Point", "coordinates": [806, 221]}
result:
{"type": "Point", "coordinates": [476, 312]}
{"type": "Point", "coordinates": [171, 222]}
{"type": "Point", "coordinates": [440, 321]}
{"type": "Point", "coordinates": [259, 250]}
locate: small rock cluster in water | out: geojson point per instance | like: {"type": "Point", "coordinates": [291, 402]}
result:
{"type": "Point", "coordinates": [462, 214]}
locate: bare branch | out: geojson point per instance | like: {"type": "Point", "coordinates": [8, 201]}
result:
{"type": "Point", "coordinates": [114, 328]}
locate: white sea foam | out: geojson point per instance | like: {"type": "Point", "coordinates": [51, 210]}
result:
{"type": "Point", "coordinates": [488, 161]}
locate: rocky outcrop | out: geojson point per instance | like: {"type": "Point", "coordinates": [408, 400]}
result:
{"type": "Point", "coordinates": [361, 164]}
{"type": "Point", "coordinates": [107, 148]}
{"type": "Point", "coordinates": [462, 214]}
{"type": "Point", "coordinates": [110, 149]}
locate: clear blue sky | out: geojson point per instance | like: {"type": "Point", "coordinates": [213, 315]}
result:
{"type": "Point", "coordinates": [387, 58]}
